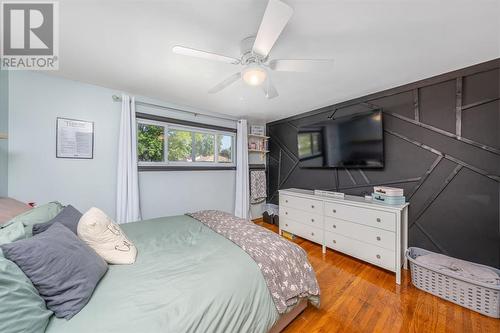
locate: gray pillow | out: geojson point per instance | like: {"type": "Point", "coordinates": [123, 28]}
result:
{"type": "Point", "coordinates": [68, 217]}
{"type": "Point", "coordinates": [63, 269]}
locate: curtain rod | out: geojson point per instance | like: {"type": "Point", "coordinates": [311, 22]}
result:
{"type": "Point", "coordinates": [196, 114]}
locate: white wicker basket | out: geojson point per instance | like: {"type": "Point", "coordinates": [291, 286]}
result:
{"type": "Point", "coordinates": [481, 297]}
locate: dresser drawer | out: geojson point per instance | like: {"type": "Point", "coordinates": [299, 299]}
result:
{"type": "Point", "coordinates": [370, 217]}
{"type": "Point", "coordinates": [302, 230]}
{"type": "Point", "coordinates": [308, 205]}
{"type": "Point", "coordinates": [302, 216]}
{"type": "Point", "coordinates": [375, 236]}
{"type": "Point", "coordinates": [367, 252]}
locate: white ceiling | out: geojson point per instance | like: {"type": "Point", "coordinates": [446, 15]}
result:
{"type": "Point", "coordinates": [376, 45]}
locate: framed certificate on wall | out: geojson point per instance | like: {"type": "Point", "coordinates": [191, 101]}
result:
{"type": "Point", "coordinates": [74, 138]}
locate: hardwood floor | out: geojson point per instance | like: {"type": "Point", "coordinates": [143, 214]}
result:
{"type": "Point", "coordinates": [359, 297]}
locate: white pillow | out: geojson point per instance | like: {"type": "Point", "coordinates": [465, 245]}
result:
{"type": "Point", "coordinates": [103, 235]}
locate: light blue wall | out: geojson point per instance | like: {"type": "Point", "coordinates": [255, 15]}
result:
{"type": "Point", "coordinates": [4, 127]}
{"type": "Point", "coordinates": [177, 192]}
{"type": "Point", "coordinates": [37, 175]}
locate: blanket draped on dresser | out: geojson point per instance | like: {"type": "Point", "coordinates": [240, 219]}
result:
{"type": "Point", "coordinates": [287, 272]}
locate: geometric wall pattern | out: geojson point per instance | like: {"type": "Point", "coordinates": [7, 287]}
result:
{"type": "Point", "coordinates": [442, 145]}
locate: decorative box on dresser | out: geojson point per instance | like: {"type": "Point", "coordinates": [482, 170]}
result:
{"type": "Point", "coordinates": [369, 231]}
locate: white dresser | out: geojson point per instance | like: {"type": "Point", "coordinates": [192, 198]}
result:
{"type": "Point", "coordinates": [369, 231]}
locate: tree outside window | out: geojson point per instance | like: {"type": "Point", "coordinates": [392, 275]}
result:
{"type": "Point", "coordinates": [165, 144]}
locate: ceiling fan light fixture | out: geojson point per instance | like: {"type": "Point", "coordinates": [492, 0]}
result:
{"type": "Point", "coordinates": [254, 75]}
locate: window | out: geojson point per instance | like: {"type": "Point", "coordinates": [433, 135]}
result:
{"type": "Point", "coordinates": [150, 142]}
{"type": "Point", "coordinates": [225, 148]}
{"type": "Point", "coordinates": [204, 147]}
{"type": "Point", "coordinates": [179, 146]}
{"type": "Point", "coordinates": [163, 144]}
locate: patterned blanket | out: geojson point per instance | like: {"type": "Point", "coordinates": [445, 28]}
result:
{"type": "Point", "coordinates": [258, 191]}
{"type": "Point", "coordinates": [288, 274]}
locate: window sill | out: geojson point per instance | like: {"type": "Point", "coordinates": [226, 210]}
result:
{"type": "Point", "coordinates": [142, 168]}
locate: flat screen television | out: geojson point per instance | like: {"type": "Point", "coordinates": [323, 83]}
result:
{"type": "Point", "coordinates": [355, 141]}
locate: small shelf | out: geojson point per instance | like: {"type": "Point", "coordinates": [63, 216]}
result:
{"type": "Point", "coordinates": [258, 136]}
{"type": "Point", "coordinates": [258, 151]}
{"type": "Point", "coordinates": [257, 166]}
{"type": "Point", "coordinates": [258, 144]}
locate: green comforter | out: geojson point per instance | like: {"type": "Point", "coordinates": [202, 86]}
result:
{"type": "Point", "coordinates": [187, 278]}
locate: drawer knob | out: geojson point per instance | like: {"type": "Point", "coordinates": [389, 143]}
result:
{"type": "Point", "coordinates": [334, 241]}
{"type": "Point", "coordinates": [312, 233]}
{"type": "Point", "coordinates": [334, 226]}
{"type": "Point", "coordinates": [286, 225]}
{"type": "Point", "coordinates": [378, 219]}
{"type": "Point", "coordinates": [378, 256]}
{"type": "Point", "coordinates": [312, 220]}
{"type": "Point", "coordinates": [286, 213]}
{"type": "Point", "coordinates": [334, 210]}
{"type": "Point", "coordinates": [286, 201]}
{"type": "Point", "coordinates": [312, 206]}
{"type": "Point", "coordinates": [378, 238]}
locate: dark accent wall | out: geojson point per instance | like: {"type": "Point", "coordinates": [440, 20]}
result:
{"type": "Point", "coordinates": [442, 145]}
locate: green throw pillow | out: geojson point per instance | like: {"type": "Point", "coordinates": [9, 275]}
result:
{"type": "Point", "coordinates": [21, 309]}
{"type": "Point", "coordinates": [12, 232]}
{"type": "Point", "coordinates": [36, 215]}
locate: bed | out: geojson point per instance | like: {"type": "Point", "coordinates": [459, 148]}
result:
{"type": "Point", "coordinates": [187, 278]}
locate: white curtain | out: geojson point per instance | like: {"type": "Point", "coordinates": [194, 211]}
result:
{"type": "Point", "coordinates": [127, 185]}
{"type": "Point", "coordinates": [241, 202]}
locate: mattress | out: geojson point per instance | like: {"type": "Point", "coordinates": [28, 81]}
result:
{"type": "Point", "coordinates": [187, 278]}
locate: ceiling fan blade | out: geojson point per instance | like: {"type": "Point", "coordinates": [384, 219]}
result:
{"type": "Point", "coordinates": [227, 82]}
{"type": "Point", "coordinates": [269, 88]}
{"type": "Point", "coordinates": [303, 65]}
{"type": "Point", "coordinates": [275, 18]}
{"type": "Point", "coordinates": [187, 51]}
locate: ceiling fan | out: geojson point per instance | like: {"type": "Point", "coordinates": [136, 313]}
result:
{"type": "Point", "coordinates": [255, 54]}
